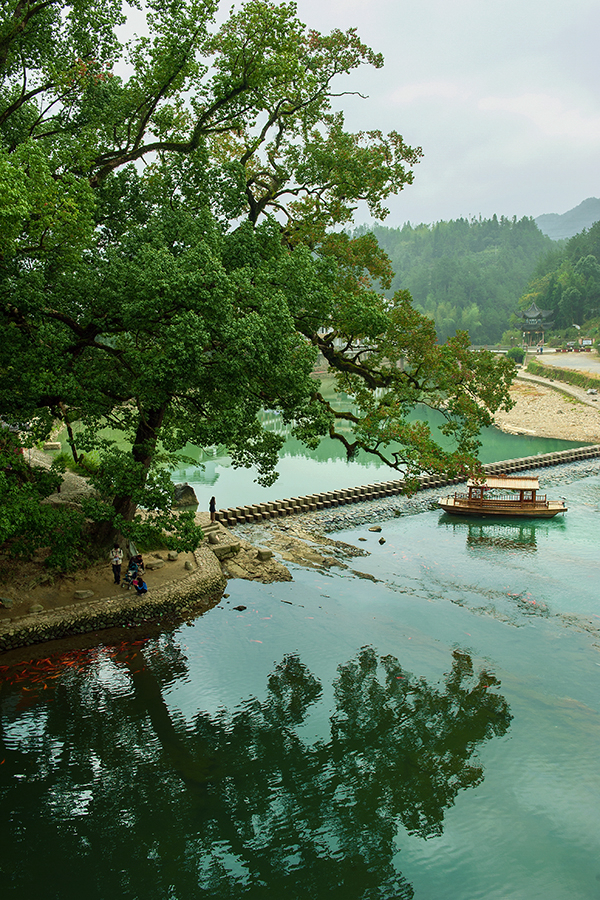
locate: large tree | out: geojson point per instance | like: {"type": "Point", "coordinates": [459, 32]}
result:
{"type": "Point", "coordinates": [172, 257]}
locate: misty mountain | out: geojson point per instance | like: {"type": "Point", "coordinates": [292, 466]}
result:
{"type": "Point", "coordinates": [560, 227]}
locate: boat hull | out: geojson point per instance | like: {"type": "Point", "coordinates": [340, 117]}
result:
{"type": "Point", "coordinates": [506, 508]}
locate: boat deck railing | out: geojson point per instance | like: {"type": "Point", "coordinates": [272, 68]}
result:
{"type": "Point", "coordinates": [503, 500]}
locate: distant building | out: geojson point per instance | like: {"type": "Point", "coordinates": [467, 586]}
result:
{"type": "Point", "coordinates": [534, 322]}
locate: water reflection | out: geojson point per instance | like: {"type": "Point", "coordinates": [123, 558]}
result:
{"type": "Point", "coordinates": [502, 537]}
{"type": "Point", "coordinates": [127, 796]}
{"type": "Point", "coordinates": [513, 534]}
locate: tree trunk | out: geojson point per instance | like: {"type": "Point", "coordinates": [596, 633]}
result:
{"type": "Point", "coordinates": [67, 421]}
{"type": "Point", "coordinates": [143, 450]}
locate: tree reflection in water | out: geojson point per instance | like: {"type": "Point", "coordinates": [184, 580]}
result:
{"type": "Point", "coordinates": [115, 794]}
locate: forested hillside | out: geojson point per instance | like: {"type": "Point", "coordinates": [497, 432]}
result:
{"type": "Point", "coordinates": [466, 273]}
{"type": "Point", "coordinates": [567, 280]}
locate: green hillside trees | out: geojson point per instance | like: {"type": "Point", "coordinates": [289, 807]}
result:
{"type": "Point", "coordinates": [466, 273]}
{"type": "Point", "coordinates": [567, 280]}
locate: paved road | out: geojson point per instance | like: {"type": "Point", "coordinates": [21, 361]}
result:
{"type": "Point", "coordinates": [570, 389]}
{"type": "Point", "coordinates": [590, 362]}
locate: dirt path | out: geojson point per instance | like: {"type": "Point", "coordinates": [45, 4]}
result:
{"type": "Point", "coordinates": [29, 586]}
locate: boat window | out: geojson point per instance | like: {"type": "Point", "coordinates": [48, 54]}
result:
{"type": "Point", "coordinates": [528, 495]}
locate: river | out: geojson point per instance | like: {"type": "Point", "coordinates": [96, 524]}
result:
{"type": "Point", "coordinates": [423, 723]}
{"type": "Point", "coordinates": [210, 472]}
{"type": "Point", "coordinates": [303, 471]}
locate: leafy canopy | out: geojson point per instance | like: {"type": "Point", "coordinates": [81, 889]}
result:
{"type": "Point", "coordinates": [172, 259]}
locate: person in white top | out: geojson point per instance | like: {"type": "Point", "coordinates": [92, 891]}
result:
{"type": "Point", "coordinates": [116, 558]}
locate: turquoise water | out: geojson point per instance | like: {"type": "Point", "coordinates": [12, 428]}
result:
{"type": "Point", "coordinates": [423, 723]}
{"type": "Point", "coordinates": [303, 471]}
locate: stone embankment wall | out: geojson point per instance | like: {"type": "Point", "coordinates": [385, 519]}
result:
{"type": "Point", "coordinates": [260, 511]}
{"type": "Point", "coordinates": [196, 593]}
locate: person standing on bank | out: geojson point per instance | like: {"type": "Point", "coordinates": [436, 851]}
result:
{"type": "Point", "coordinates": [116, 558]}
{"type": "Point", "coordinates": [213, 508]}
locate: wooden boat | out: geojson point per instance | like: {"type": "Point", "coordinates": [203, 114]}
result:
{"type": "Point", "coordinates": [502, 496]}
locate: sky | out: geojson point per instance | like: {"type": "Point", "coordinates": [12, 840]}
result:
{"type": "Point", "coordinates": [503, 97]}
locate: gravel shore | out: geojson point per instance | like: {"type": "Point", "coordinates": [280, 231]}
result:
{"type": "Point", "coordinates": [545, 410]}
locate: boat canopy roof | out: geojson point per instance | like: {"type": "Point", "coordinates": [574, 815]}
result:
{"type": "Point", "coordinates": [507, 483]}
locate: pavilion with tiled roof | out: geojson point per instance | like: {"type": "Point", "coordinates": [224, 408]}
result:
{"type": "Point", "coordinates": [534, 322]}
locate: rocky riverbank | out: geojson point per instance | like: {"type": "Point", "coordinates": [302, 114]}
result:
{"type": "Point", "coordinates": [549, 409]}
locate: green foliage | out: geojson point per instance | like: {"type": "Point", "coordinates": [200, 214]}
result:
{"type": "Point", "coordinates": [517, 354]}
{"type": "Point", "coordinates": [466, 274]}
{"type": "Point", "coordinates": [569, 376]}
{"type": "Point", "coordinates": [87, 463]}
{"type": "Point", "coordinates": [27, 524]}
{"type": "Point", "coordinates": [149, 529]}
{"type": "Point", "coordinates": [567, 280]}
{"type": "Point", "coordinates": [512, 336]}
{"type": "Point", "coordinates": [173, 303]}
{"type": "Point", "coordinates": [156, 523]}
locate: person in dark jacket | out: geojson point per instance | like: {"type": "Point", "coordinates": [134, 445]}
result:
{"type": "Point", "coordinates": [140, 585]}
